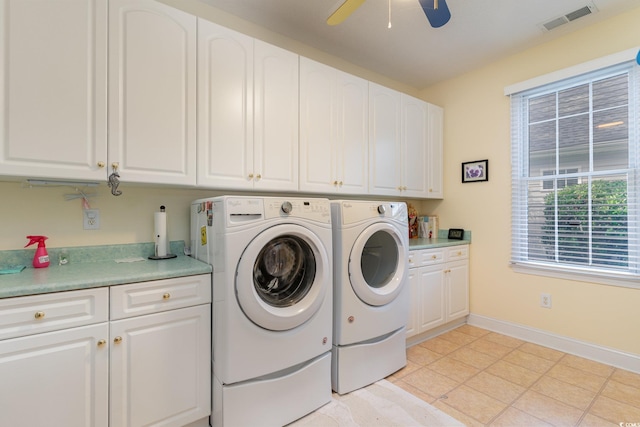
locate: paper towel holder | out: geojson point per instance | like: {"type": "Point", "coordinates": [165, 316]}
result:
{"type": "Point", "coordinates": [155, 256]}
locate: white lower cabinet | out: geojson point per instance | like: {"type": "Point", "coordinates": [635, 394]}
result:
{"type": "Point", "coordinates": [439, 283]}
{"type": "Point", "coordinates": [62, 363]}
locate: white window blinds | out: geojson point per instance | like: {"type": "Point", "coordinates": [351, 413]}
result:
{"type": "Point", "coordinates": [575, 169]}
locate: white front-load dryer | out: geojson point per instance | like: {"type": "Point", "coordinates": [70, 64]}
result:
{"type": "Point", "coordinates": [272, 305]}
{"type": "Point", "coordinates": [371, 293]}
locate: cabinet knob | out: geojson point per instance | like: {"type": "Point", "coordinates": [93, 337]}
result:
{"type": "Point", "coordinates": [250, 176]}
{"type": "Point", "coordinates": [459, 253]}
{"type": "Point", "coordinates": [340, 184]}
{"type": "Point", "coordinates": [166, 296]}
{"type": "Point", "coordinates": [115, 166]}
{"type": "Point", "coordinates": [335, 183]}
{"type": "Point", "coordinates": [39, 314]}
{"type": "Point", "coordinates": [434, 256]}
{"type": "Point", "coordinates": [100, 165]}
{"type": "Point", "coordinates": [101, 343]}
{"type": "Point", "coordinates": [117, 340]}
{"type": "Point", "coordinates": [258, 177]}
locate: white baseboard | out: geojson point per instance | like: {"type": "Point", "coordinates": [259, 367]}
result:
{"type": "Point", "coordinates": [609, 356]}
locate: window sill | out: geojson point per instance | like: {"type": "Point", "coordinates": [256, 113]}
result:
{"type": "Point", "coordinates": [578, 274]}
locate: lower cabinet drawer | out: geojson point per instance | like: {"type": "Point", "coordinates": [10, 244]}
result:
{"type": "Point", "coordinates": [159, 295]}
{"type": "Point", "coordinates": [30, 315]}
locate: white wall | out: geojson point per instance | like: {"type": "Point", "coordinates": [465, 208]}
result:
{"type": "Point", "coordinates": [477, 126]}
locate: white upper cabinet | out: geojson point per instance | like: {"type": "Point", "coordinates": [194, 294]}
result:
{"type": "Point", "coordinates": [435, 160]}
{"type": "Point", "coordinates": [333, 130]}
{"type": "Point", "coordinates": [414, 135]}
{"type": "Point", "coordinates": [385, 145]}
{"type": "Point", "coordinates": [152, 92]}
{"type": "Point", "coordinates": [53, 64]}
{"type": "Point", "coordinates": [247, 112]}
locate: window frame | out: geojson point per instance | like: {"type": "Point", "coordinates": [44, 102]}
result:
{"type": "Point", "coordinates": [555, 82]}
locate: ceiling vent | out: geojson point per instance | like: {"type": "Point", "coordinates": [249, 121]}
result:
{"type": "Point", "coordinates": [571, 16]}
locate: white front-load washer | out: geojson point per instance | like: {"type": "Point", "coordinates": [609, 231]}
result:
{"type": "Point", "coordinates": [272, 305]}
{"type": "Point", "coordinates": [371, 293]}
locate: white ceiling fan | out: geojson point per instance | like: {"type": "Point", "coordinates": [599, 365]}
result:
{"type": "Point", "coordinates": [437, 11]}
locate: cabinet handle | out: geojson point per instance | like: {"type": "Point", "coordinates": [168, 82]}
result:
{"type": "Point", "coordinates": [447, 271]}
{"type": "Point", "coordinates": [434, 256]}
{"type": "Point", "coordinates": [340, 184]}
{"type": "Point", "coordinates": [335, 183]}
{"type": "Point", "coordinates": [39, 314]}
{"type": "Point", "coordinates": [100, 165]}
{"type": "Point", "coordinates": [460, 253]}
{"type": "Point", "coordinates": [250, 176]}
{"type": "Point", "coordinates": [117, 340]}
{"type": "Point", "coordinates": [101, 343]}
{"type": "Point", "coordinates": [115, 166]}
{"type": "Point", "coordinates": [258, 177]}
{"type": "Point", "coordinates": [166, 296]}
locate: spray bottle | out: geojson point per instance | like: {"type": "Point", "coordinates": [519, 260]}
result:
{"type": "Point", "coordinates": [41, 258]}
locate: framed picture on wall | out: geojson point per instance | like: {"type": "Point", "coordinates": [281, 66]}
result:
{"type": "Point", "coordinates": [475, 171]}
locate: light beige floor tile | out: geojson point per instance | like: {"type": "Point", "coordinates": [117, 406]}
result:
{"type": "Point", "coordinates": [614, 411]}
{"type": "Point", "coordinates": [577, 377]}
{"type": "Point", "coordinates": [564, 392]}
{"type": "Point", "coordinates": [463, 418]}
{"type": "Point", "coordinates": [626, 377]}
{"type": "Point", "coordinates": [515, 417]}
{"type": "Point", "coordinates": [548, 409]}
{"type": "Point", "coordinates": [595, 368]}
{"type": "Point", "coordinates": [529, 361]}
{"type": "Point", "coordinates": [458, 337]}
{"type": "Point", "coordinates": [474, 331]}
{"type": "Point", "coordinates": [489, 347]}
{"type": "Point", "coordinates": [590, 420]}
{"type": "Point", "coordinates": [410, 367]}
{"type": "Point", "coordinates": [514, 373]}
{"type": "Point", "coordinates": [430, 382]}
{"type": "Point", "coordinates": [453, 369]}
{"type": "Point", "coordinates": [475, 404]}
{"type": "Point", "coordinates": [622, 393]}
{"type": "Point", "coordinates": [421, 355]}
{"type": "Point", "coordinates": [440, 345]}
{"type": "Point", "coordinates": [540, 351]}
{"type": "Point", "coordinates": [496, 387]}
{"type": "Point", "coordinates": [473, 358]}
{"type": "Point", "coordinates": [503, 340]}
{"type": "Point", "coordinates": [415, 391]}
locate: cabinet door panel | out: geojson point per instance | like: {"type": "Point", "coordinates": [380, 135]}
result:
{"type": "Point", "coordinates": [275, 118]}
{"type": "Point", "coordinates": [317, 126]}
{"type": "Point", "coordinates": [434, 157]}
{"type": "Point", "coordinates": [432, 312]}
{"type": "Point", "coordinates": [457, 289]}
{"type": "Point", "coordinates": [160, 370]}
{"type": "Point", "coordinates": [384, 141]}
{"type": "Point", "coordinates": [152, 64]}
{"type": "Point", "coordinates": [225, 107]}
{"type": "Point", "coordinates": [414, 147]}
{"type": "Point", "coordinates": [55, 379]}
{"type": "Point", "coordinates": [53, 88]}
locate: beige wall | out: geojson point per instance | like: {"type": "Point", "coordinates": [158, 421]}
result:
{"type": "Point", "coordinates": [477, 127]}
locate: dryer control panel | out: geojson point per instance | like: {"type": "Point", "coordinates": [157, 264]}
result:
{"type": "Point", "coordinates": [310, 209]}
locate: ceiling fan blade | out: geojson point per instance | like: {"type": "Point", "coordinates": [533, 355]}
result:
{"type": "Point", "coordinates": [437, 16]}
{"type": "Point", "coordinates": [343, 12]}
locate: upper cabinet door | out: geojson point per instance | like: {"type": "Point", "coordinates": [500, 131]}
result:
{"type": "Point", "coordinates": [385, 154]}
{"type": "Point", "coordinates": [152, 92]}
{"type": "Point", "coordinates": [414, 147]}
{"type": "Point", "coordinates": [275, 113]}
{"type": "Point", "coordinates": [435, 159]}
{"type": "Point", "coordinates": [225, 107]}
{"type": "Point", "coordinates": [53, 64]}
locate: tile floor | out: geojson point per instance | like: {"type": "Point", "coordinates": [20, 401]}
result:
{"type": "Point", "coordinates": [483, 378]}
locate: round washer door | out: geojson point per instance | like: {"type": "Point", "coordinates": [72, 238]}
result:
{"type": "Point", "coordinates": [282, 277]}
{"type": "Point", "coordinates": [377, 264]}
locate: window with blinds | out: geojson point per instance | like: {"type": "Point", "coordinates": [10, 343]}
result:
{"type": "Point", "coordinates": [575, 187]}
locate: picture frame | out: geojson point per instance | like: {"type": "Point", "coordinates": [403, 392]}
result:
{"type": "Point", "coordinates": [475, 171]}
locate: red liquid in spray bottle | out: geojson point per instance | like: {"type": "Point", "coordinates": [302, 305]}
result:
{"type": "Point", "coordinates": [41, 258]}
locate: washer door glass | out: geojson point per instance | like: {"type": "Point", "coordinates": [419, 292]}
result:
{"type": "Point", "coordinates": [377, 264]}
{"type": "Point", "coordinates": [282, 277]}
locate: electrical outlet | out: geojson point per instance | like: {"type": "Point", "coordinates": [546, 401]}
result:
{"type": "Point", "coordinates": [545, 300]}
{"type": "Point", "coordinates": [91, 219]}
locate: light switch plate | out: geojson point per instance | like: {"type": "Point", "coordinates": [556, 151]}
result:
{"type": "Point", "coordinates": [91, 219]}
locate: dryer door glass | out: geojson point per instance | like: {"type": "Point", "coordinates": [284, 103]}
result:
{"type": "Point", "coordinates": [284, 271]}
{"type": "Point", "coordinates": [377, 264]}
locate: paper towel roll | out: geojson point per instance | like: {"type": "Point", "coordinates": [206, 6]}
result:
{"type": "Point", "coordinates": [161, 233]}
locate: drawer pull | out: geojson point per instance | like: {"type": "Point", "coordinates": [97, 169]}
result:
{"type": "Point", "coordinates": [434, 256]}
{"type": "Point", "coordinates": [166, 296]}
{"type": "Point", "coordinates": [39, 314]}
{"type": "Point", "coordinates": [459, 253]}
{"type": "Point", "coordinates": [101, 343]}
{"type": "Point", "coordinates": [117, 340]}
